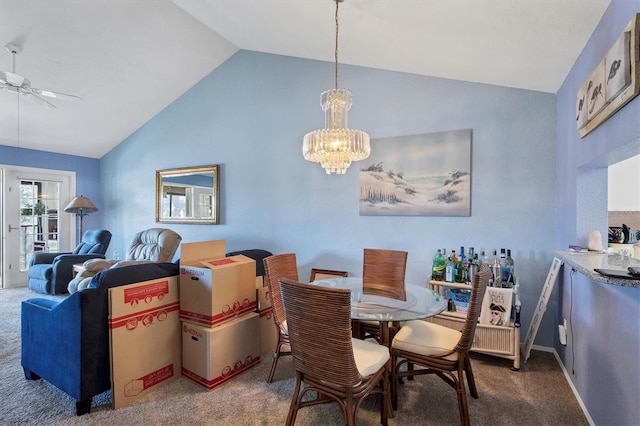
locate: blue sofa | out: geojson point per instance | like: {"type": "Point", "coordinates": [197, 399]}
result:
{"type": "Point", "coordinates": [67, 343]}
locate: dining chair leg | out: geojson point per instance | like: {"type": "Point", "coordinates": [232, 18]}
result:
{"type": "Point", "coordinates": [295, 402]}
{"type": "Point", "coordinates": [470, 379]}
{"type": "Point", "coordinates": [355, 329]}
{"type": "Point", "coordinates": [462, 400]}
{"type": "Point", "coordinates": [394, 371]}
{"type": "Point", "coordinates": [349, 410]}
{"type": "Point", "coordinates": [410, 367]}
{"type": "Point", "coordinates": [272, 370]}
{"type": "Point", "coordinates": [386, 411]}
{"type": "Point", "coordinates": [274, 361]}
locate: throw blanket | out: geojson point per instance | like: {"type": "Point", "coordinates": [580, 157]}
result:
{"type": "Point", "coordinates": [92, 267]}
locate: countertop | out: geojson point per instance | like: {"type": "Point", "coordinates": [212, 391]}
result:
{"type": "Point", "coordinates": [586, 262]}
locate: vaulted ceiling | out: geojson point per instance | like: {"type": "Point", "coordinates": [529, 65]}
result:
{"type": "Point", "coordinates": [126, 59]}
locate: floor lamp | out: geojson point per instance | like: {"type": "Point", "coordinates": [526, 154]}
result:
{"type": "Point", "coordinates": [81, 206]}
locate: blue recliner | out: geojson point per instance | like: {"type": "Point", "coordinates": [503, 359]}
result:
{"type": "Point", "coordinates": [50, 273]}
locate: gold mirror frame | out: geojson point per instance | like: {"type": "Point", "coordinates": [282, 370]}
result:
{"type": "Point", "coordinates": [188, 195]}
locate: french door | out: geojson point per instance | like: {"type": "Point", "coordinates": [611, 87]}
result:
{"type": "Point", "coordinates": [33, 218]}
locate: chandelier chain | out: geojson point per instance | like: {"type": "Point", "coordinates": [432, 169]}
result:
{"type": "Point", "coordinates": [336, 52]}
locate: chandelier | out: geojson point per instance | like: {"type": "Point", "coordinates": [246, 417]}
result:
{"type": "Point", "coordinates": [336, 146]}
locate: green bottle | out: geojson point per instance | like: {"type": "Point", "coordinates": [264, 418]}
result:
{"type": "Point", "coordinates": [459, 270]}
{"type": "Point", "coordinates": [437, 270]}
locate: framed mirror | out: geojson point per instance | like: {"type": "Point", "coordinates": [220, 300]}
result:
{"type": "Point", "coordinates": [188, 195]}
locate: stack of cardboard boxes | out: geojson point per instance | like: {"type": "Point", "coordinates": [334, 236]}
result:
{"type": "Point", "coordinates": [220, 328]}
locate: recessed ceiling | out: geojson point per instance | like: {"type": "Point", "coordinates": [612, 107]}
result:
{"type": "Point", "coordinates": [126, 58]}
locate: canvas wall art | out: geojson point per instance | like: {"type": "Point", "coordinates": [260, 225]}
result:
{"type": "Point", "coordinates": [418, 175]}
{"type": "Point", "coordinates": [613, 82]}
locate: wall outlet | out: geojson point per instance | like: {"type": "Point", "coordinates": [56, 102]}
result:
{"type": "Point", "coordinates": [562, 334]}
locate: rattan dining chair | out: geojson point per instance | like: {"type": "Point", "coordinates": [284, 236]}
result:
{"type": "Point", "coordinates": [383, 273]}
{"type": "Point", "coordinates": [276, 267]}
{"type": "Point", "coordinates": [327, 360]}
{"type": "Point", "coordinates": [439, 350]}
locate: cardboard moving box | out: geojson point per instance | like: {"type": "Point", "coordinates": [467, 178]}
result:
{"type": "Point", "coordinates": [144, 333]}
{"type": "Point", "coordinates": [263, 295]}
{"type": "Point", "coordinates": [213, 356]}
{"type": "Point", "coordinates": [268, 332]}
{"type": "Point", "coordinates": [213, 288]}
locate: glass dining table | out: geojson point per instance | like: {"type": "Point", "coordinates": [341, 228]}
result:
{"type": "Point", "coordinates": [371, 303]}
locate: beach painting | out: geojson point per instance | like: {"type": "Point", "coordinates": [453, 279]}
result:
{"type": "Point", "coordinates": [418, 175]}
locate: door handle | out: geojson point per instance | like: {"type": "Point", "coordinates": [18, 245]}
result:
{"type": "Point", "coordinates": [11, 228]}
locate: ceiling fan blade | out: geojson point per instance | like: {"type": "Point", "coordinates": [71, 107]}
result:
{"type": "Point", "coordinates": [13, 79]}
{"type": "Point", "coordinates": [37, 99]}
{"type": "Point", "coordinates": [7, 86]}
{"type": "Point", "coordinates": [55, 95]}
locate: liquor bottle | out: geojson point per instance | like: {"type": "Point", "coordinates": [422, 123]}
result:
{"type": "Point", "coordinates": [496, 270]}
{"type": "Point", "coordinates": [437, 270]}
{"type": "Point", "coordinates": [473, 268]}
{"type": "Point", "coordinates": [504, 267]}
{"type": "Point", "coordinates": [484, 259]}
{"type": "Point", "coordinates": [459, 265]}
{"type": "Point", "coordinates": [511, 264]}
{"type": "Point", "coordinates": [517, 304]}
{"type": "Point", "coordinates": [460, 273]}
{"type": "Point", "coordinates": [450, 271]}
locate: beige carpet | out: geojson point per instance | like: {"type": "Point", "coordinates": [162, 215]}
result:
{"type": "Point", "coordinates": [538, 394]}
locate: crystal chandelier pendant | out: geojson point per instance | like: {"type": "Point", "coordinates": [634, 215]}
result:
{"type": "Point", "coordinates": [336, 146]}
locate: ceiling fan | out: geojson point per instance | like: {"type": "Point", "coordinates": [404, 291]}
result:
{"type": "Point", "coordinates": [16, 83]}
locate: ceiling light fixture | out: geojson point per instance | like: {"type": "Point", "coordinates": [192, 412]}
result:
{"type": "Point", "coordinates": [336, 146]}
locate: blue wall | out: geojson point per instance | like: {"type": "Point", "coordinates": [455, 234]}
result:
{"type": "Point", "coordinates": [250, 115]}
{"type": "Point", "coordinates": [603, 354]}
{"type": "Point", "coordinates": [87, 174]}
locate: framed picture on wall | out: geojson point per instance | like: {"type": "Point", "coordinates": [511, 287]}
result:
{"type": "Point", "coordinates": [613, 82]}
{"type": "Point", "coordinates": [595, 91]}
{"type": "Point", "coordinates": [617, 67]}
{"type": "Point", "coordinates": [418, 175]}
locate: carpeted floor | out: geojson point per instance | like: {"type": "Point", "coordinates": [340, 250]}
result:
{"type": "Point", "coordinates": [538, 394]}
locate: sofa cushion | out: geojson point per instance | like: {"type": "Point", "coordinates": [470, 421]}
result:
{"type": "Point", "coordinates": [115, 277]}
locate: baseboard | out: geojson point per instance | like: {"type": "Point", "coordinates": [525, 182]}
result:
{"type": "Point", "coordinates": [568, 377]}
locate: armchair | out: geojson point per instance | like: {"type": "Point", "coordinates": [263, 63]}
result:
{"type": "Point", "coordinates": [51, 272]}
{"type": "Point", "coordinates": [154, 244]}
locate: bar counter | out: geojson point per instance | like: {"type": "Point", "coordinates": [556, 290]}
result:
{"type": "Point", "coordinates": [586, 262]}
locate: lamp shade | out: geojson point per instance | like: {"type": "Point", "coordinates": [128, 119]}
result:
{"type": "Point", "coordinates": [81, 205]}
